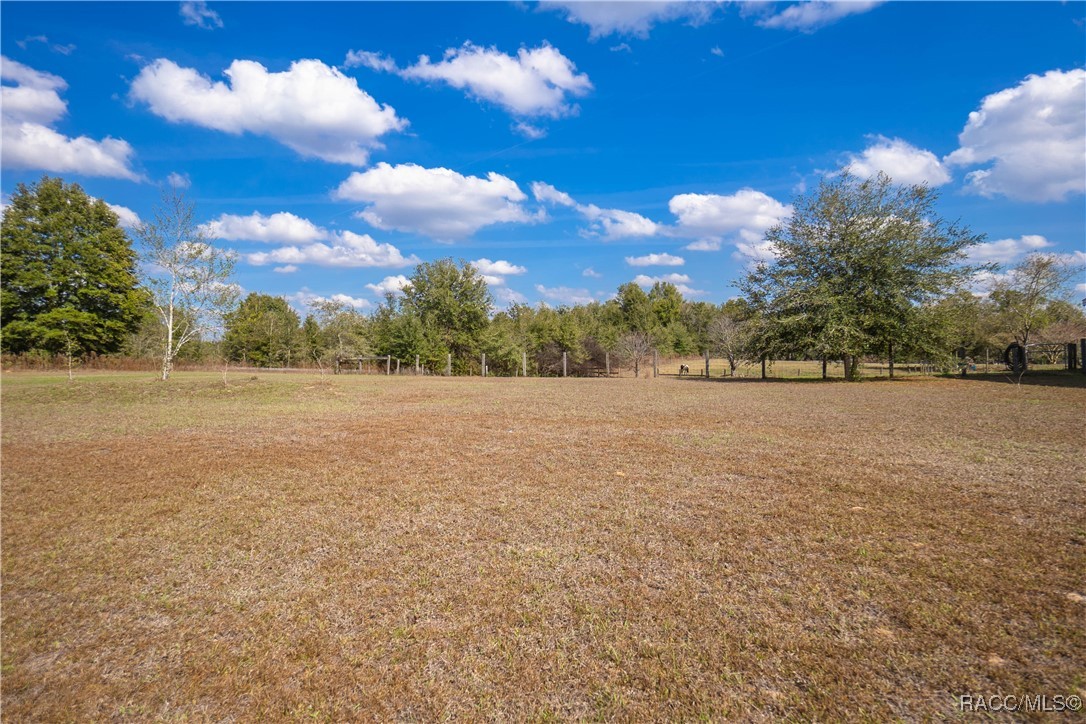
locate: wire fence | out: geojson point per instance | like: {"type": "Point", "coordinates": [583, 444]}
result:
{"type": "Point", "coordinates": [1046, 358]}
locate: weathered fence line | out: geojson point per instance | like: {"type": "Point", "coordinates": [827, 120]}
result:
{"type": "Point", "coordinates": [1073, 354]}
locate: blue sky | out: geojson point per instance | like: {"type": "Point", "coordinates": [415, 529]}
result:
{"type": "Point", "coordinates": [566, 148]}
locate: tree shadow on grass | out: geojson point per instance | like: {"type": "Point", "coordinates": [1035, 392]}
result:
{"type": "Point", "coordinates": [1067, 378]}
{"type": "Point", "coordinates": [760, 381]}
{"type": "Point", "coordinates": [1044, 379]}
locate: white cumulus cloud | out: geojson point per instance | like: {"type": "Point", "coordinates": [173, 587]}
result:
{"type": "Point", "coordinates": [565, 295]}
{"type": "Point", "coordinates": [629, 18]}
{"type": "Point", "coordinates": [1030, 139]}
{"type": "Point", "coordinates": [901, 161]}
{"type": "Point", "coordinates": [28, 145]}
{"type": "Point", "coordinates": [754, 250]}
{"type": "Point", "coordinates": [346, 249]}
{"type": "Point", "coordinates": [811, 15]}
{"type": "Point", "coordinates": [681, 282]}
{"type": "Point", "coordinates": [499, 267]}
{"type": "Point", "coordinates": [311, 108]}
{"type": "Point", "coordinates": [535, 82]}
{"type": "Point", "coordinates": [591, 273]}
{"type": "Point", "coordinates": [533, 133]}
{"type": "Point", "coordinates": [1007, 250]}
{"type": "Point", "coordinates": [196, 12]}
{"type": "Point", "coordinates": [179, 180]}
{"type": "Point", "coordinates": [746, 213]}
{"type": "Point", "coordinates": [608, 224]}
{"type": "Point", "coordinates": [437, 202]}
{"type": "Point", "coordinates": [655, 260]}
{"type": "Point", "coordinates": [128, 218]}
{"type": "Point", "coordinates": [545, 193]}
{"type": "Point", "coordinates": [704, 245]}
{"type": "Point", "coordinates": [28, 109]}
{"type": "Point", "coordinates": [278, 228]}
{"type": "Point", "coordinates": [306, 299]}
{"type": "Point", "coordinates": [508, 296]}
{"type": "Point", "coordinates": [373, 61]}
{"type": "Point", "coordinates": [389, 285]}
{"type": "Point", "coordinates": [36, 96]}
{"type": "Point", "coordinates": [494, 272]}
{"type": "Point", "coordinates": [612, 224]}
{"type": "Point", "coordinates": [647, 281]}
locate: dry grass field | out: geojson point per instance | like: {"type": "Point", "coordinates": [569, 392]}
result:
{"type": "Point", "coordinates": [419, 549]}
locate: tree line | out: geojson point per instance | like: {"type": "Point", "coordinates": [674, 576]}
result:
{"type": "Point", "coordinates": [73, 284]}
{"type": "Point", "coordinates": [862, 268]}
{"type": "Point", "coordinates": [447, 309]}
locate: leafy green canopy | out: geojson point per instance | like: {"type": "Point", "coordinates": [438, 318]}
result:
{"type": "Point", "coordinates": [263, 331]}
{"type": "Point", "coordinates": [69, 272]}
{"type": "Point", "coordinates": [445, 309]}
{"type": "Point", "coordinates": [1029, 295]}
{"type": "Point", "coordinates": [334, 330]}
{"type": "Point", "coordinates": [854, 266]}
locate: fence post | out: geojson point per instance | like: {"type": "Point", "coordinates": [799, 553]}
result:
{"type": "Point", "coordinates": [448, 364]}
{"type": "Point", "coordinates": [985, 360]}
{"type": "Point", "coordinates": [565, 365]}
{"type": "Point", "coordinates": [416, 364]}
{"type": "Point", "coordinates": [823, 368]}
{"type": "Point", "coordinates": [397, 365]}
{"type": "Point", "coordinates": [524, 363]}
{"type": "Point", "coordinates": [706, 364]}
{"type": "Point", "coordinates": [607, 362]}
{"type": "Point", "coordinates": [655, 362]}
{"type": "Point", "coordinates": [891, 346]}
{"type": "Point", "coordinates": [359, 366]}
{"type": "Point", "coordinates": [484, 364]}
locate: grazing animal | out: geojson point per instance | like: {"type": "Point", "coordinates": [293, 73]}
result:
{"type": "Point", "coordinates": [684, 370]}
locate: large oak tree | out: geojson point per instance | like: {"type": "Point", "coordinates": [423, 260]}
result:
{"type": "Point", "coordinates": [853, 266]}
{"type": "Point", "coordinates": [263, 331]}
{"type": "Point", "coordinates": [69, 273]}
{"type": "Point", "coordinates": [452, 306]}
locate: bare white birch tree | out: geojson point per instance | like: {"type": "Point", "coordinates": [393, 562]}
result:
{"type": "Point", "coordinates": [731, 338]}
{"type": "Point", "coordinates": [189, 279]}
{"type": "Point", "coordinates": [633, 349]}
